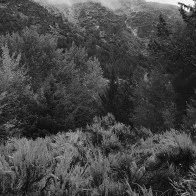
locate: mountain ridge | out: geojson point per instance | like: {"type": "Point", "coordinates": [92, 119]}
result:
{"type": "Point", "coordinates": [141, 16]}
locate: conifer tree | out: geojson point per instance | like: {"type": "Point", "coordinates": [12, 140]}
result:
{"type": "Point", "coordinates": [116, 98]}
{"type": "Point", "coordinates": [13, 87]}
{"type": "Point", "coordinates": [162, 28]}
{"type": "Point", "coordinates": [189, 121]}
{"type": "Point", "coordinates": [175, 51]}
{"type": "Point", "coordinates": [153, 100]}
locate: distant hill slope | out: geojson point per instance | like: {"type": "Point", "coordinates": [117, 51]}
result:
{"type": "Point", "coordinates": [15, 15]}
{"type": "Point", "coordinates": [135, 19]}
{"type": "Point", "coordinates": [108, 25]}
{"type": "Point", "coordinates": [115, 37]}
{"type": "Point", "coordinates": [18, 14]}
{"type": "Point", "coordinates": [140, 16]}
{"type": "Point", "coordinates": [143, 16]}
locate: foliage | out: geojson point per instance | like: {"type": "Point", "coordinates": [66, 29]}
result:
{"type": "Point", "coordinates": [175, 54]}
{"type": "Point", "coordinates": [186, 186]}
{"type": "Point", "coordinates": [38, 53]}
{"type": "Point", "coordinates": [26, 165]}
{"type": "Point", "coordinates": [116, 99]}
{"type": "Point", "coordinates": [189, 119]}
{"type": "Point", "coordinates": [62, 89]}
{"type": "Point", "coordinates": [51, 81]}
{"type": "Point", "coordinates": [13, 86]}
{"type": "Point", "coordinates": [73, 164]}
{"type": "Point", "coordinates": [67, 164]}
{"type": "Point", "coordinates": [162, 28]}
{"type": "Point", "coordinates": [153, 100]}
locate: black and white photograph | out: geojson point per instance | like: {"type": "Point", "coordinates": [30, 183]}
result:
{"type": "Point", "coordinates": [97, 97]}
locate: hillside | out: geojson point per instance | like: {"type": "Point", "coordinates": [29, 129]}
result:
{"type": "Point", "coordinates": [132, 21]}
{"type": "Point", "coordinates": [143, 16]}
{"type": "Point", "coordinates": [16, 15]}
{"type": "Point", "coordinates": [139, 16]}
{"type": "Point", "coordinates": [105, 34]}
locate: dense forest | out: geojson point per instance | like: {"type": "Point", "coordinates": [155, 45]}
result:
{"type": "Point", "coordinates": [97, 100]}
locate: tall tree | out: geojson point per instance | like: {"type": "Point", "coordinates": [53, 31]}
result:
{"type": "Point", "coordinates": [176, 53]}
{"type": "Point", "coordinates": [162, 28]}
{"type": "Point", "coordinates": [153, 100]}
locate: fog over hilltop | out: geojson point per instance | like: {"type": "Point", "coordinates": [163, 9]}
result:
{"type": "Point", "coordinates": [174, 2]}
{"type": "Point", "coordinates": [112, 4]}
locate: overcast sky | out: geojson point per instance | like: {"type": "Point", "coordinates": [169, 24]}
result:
{"type": "Point", "coordinates": [175, 2]}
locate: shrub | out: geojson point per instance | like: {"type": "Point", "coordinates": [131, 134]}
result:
{"type": "Point", "coordinates": [28, 164]}
{"type": "Point", "coordinates": [172, 155]}
{"type": "Point", "coordinates": [143, 191]}
{"type": "Point", "coordinates": [187, 184]}
{"type": "Point", "coordinates": [124, 168]}
{"type": "Point", "coordinates": [178, 149]}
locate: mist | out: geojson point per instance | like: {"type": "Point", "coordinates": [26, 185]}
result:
{"type": "Point", "coordinates": [112, 4]}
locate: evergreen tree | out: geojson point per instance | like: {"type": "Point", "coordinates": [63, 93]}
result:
{"type": "Point", "coordinates": [189, 121]}
{"type": "Point", "coordinates": [13, 87]}
{"type": "Point", "coordinates": [153, 100]}
{"type": "Point", "coordinates": [162, 28]}
{"type": "Point", "coordinates": [63, 86]}
{"type": "Point", "coordinates": [116, 99]}
{"type": "Point", "coordinates": [68, 98]}
{"type": "Point", "coordinates": [176, 53]}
